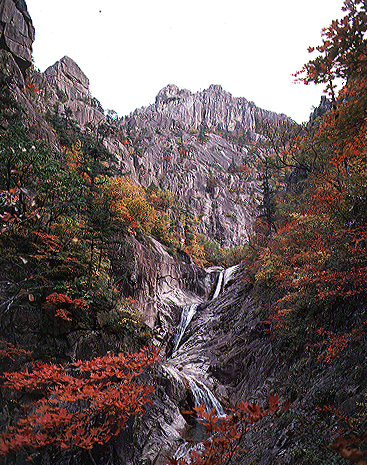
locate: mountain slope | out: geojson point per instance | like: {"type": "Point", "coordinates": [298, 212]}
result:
{"type": "Point", "coordinates": [192, 145]}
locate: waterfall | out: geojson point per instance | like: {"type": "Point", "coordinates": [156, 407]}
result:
{"type": "Point", "coordinates": [186, 316]}
{"type": "Point", "coordinates": [219, 284]}
{"type": "Point", "coordinates": [203, 395]}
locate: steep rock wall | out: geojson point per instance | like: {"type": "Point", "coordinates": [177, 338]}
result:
{"type": "Point", "coordinates": [160, 282]}
{"type": "Point", "coordinates": [16, 31]}
{"type": "Point", "coordinates": [213, 106]}
{"type": "Point", "coordinates": [213, 179]}
{"type": "Point", "coordinates": [198, 147]}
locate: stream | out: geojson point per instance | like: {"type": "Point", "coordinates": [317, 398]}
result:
{"type": "Point", "coordinates": [200, 392]}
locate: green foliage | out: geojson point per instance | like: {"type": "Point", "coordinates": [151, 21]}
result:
{"type": "Point", "coordinates": [220, 256]}
{"type": "Point", "coordinates": [10, 110]}
{"type": "Point", "coordinates": [267, 206]}
{"type": "Point", "coordinates": [309, 270]}
{"type": "Point", "coordinates": [57, 223]}
{"type": "Point", "coordinates": [62, 96]}
{"type": "Point", "coordinates": [124, 321]}
{"type": "Point", "coordinates": [97, 104]}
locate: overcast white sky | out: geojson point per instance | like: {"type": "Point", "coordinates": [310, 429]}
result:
{"type": "Point", "coordinates": [130, 49]}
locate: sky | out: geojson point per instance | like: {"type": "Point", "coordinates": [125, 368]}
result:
{"type": "Point", "coordinates": [130, 49]}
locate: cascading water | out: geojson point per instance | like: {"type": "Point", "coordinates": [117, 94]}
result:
{"type": "Point", "coordinates": [203, 395]}
{"type": "Point", "coordinates": [186, 316]}
{"type": "Point", "coordinates": [219, 285]}
{"type": "Point", "coordinates": [184, 451]}
{"type": "Point", "coordinates": [189, 311]}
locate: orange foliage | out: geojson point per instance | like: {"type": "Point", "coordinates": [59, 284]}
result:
{"type": "Point", "coordinates": [318, 257]}
{"type": "Point", "coordinates": [132, 301]}
{"type": "Point", "coordinates": [82, 404]}
{"type": "Point", "coordinates": [64, 306]}
{"type": "Point", "coordinates": [7, 349]}
{"type": "Point", "coordinates": [226, 435]}
{"type": "Point", "coordinates": [74, 156]}
{"type": "Point", "coordinates": [31, 87]}
{"type": "Point", "coordinates": [141, 211]}
{"type": "Point", "coordinates": [130, 203]}
{"type": "Point", "coordinates": [46, 243]}
{"type": "Point", "coordinates": [337, 343]}
{"type": "Point", "coordinates": [160, 200]}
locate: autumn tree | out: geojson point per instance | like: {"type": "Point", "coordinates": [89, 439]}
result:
{"type": "Point", "coordinates": [78, 405]}
{"type": "Point", "coordinates": [224, 440]}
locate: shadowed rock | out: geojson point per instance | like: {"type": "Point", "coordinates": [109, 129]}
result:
{"type": "Point", "coordinates": [16, 32]}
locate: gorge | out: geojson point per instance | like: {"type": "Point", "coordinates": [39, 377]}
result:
{"type": "Point", "coordinates": [226, 236]}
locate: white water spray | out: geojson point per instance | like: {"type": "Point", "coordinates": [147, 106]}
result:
{"type": "Point", "coordinates": [219, 285]}
{"type": "Point", "coordinates": [203, 395]}
{"type": "Point", "coordinates": [186, 316]}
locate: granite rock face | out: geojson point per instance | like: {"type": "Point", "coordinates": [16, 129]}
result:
{"type": "Point", "coordinates": [194, 145]}
{"type": "Point", "coordinates": [161, 283]}
{"type": "Point", "coordinates": [70, 87]}
{"type": "Point", "coordinates": [66, 76]}
{"type": "Point", "coordinates": [214, 106]}
{"type": "Point", "coordinates": [16, 32]}
{"type": "Point", "coordinates": [197, 146]}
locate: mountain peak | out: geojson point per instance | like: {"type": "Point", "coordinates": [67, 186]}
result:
{"type": "Point", "coordinates": [169, 91]}
{"type": "Point", "coordinates": [67, 77]}
{"type": "Point", "coordinates": [213, 106]}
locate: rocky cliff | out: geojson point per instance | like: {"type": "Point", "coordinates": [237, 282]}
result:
{"type": "Point", "coordinates": [214, 106]}
{"type": "Point", "coordinates": [16, 32]}
{"type": "Point", "coordinates": [194, 145]}
{"type": "Point", "coordinates": [197, 146]}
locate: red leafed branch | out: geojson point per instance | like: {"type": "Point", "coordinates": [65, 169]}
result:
{"type": "Point", "coordinates": [64, 305]}
{"type": "Point", "coordinates": [336, 343]}
{"type": "Point", "coordinates": [7, 349]}
{"type": "Point", "coordinates": [226, 435]}
{"type": "Point", "coordinates": [81, 404]}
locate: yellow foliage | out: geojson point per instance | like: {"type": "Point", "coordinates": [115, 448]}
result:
{"type": "Point", "coordinates": [136, 212]}
{"type": "Point", "coordinates": [74, 156]}
{"type": "Point", "coordinates": [130, 202]}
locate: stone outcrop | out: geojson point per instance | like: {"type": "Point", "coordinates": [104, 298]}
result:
{"type": "Point", "coordinates": [213, 179]}
{"type": "Point", "coordinates": [214, 106]}
{"type": "Point", "coordinates": [197, 145]}
{"type": "Point", "coordinates": [70, 87]}
{"type": "Point", "coordinates": [224, 349]}
{"type": "Point", "coordinates": [324, 106]}
{"type": "Point", "coordinates": [29, 113]}
{"type": "Point", "coordinates": [16, 32]}
{"type": "Point", "coordinates": [222, 340]}
{"type": "Point", "coordinates": [161, 283]}
{"type": "Point", "coordinates": [66, 77]}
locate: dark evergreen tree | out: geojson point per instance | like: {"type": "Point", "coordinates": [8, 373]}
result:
{"type": "Point", "coordinates": [267, 207]}
{"type": "Point", "coordinates": [203, 133]}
